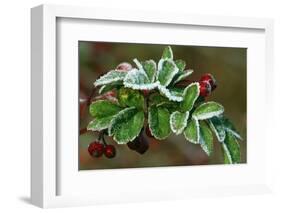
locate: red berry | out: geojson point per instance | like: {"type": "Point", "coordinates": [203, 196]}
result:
{"type": "Point", "coordinates": [96, 149]}
{"type": "Point", "coordinates": [109, 151]}
{"type": "Point", "coordinates": [210, 78]}
{"type": "Point", "coordinates": [148, 132]}
{"type": "Point", "coordinates": [145, 92]}
{"type": "Point", "coordinates": [124, 67]}
{"type": "Point", "coordinates": [205, 88]}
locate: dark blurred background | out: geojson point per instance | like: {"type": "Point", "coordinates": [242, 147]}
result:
{"type": "Point", "coordinates": [228, 65]}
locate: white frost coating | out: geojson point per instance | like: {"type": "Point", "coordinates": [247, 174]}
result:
{"type": "Point", "coordinates": [168, 94]}
{"type": "Point", "coordinates": [227, 153]}
{"type": "Point", "coordinates": [139, 65]}
{"type": "Point", "coordinates": [101, 89]}
{"type": "Point", "coordinates": [97, 125]}
{"type": "Point", "coordinates": [171, 75]}
{"type": "Point", "coordinates": [220, 139]}
{"type": "Point", "coordinates": [183, 76]}
{"type": "Point", "coordinates": [209, 114]}
{"type": "Point", "coordinates": [111, 76]}
{"type": "Point", "coordinates": [138, 80]}
{"type": "Point", "coordinates": [233, 133]}
{"type": "Point", "coordinates": [172, 122]}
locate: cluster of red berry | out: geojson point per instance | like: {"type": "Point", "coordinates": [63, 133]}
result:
{"type": "Point", "coordinates": [97, 149]}
{"type": "Point", "coordinates": [207, 84]}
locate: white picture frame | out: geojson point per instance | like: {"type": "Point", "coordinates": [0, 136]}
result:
{"type": "Point", "coordinates": [48, 182]}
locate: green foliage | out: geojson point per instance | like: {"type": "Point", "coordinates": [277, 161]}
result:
{"type": "Point", "coordinates": [191, 132]}
{"type": "Point", "coordinates": [206, 138]}
{"type": "Point", "coordinates": [131, 98]}
{"type": "Point", "coordinates": [103, 111]}
{"type": "Point", "coordinates": [178, 121]}
{"type": "Point", "coordinates": [148, 94]}
{"type": "Point", "coordinates": [231, 149]}
{"type": "Point", "coordinates": [208, 110]}
{"type": "Point", "coordinates": [126, 125]}
{"type": "Point", "coordinates": [190, 95]}
{"type": "Point", "coordinates": [159, 122]}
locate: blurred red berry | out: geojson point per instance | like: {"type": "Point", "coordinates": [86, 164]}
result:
{"type": "Point", "coordinates": [210, 78]}
{"type": "Point", "coordinates": [109, 151]}
{"type": "Point", "coordinates": [96, 149]}
{"type": "Point", "coordinates": [205, 88]}
{"type": "Point", "coordinates": [124, 67]}
{"type": "Point", "coordinates": [145, 92]}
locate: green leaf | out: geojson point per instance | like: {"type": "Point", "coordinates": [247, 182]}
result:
{"type": "Point", "coordinates": [167, 69]}
{"type": "Point", "coordinates": [171, 95]}
{"type": "Point", "coordinates": [231, 149]}
{"type": "Point", "coordinates": [191, 132]}
{"type": "Point", "coordinates": [206, 138]}
{"type": "Point", "coordinates": [180, 64]}
{"type": "Point", "coordinates": [102, 111]}
{"type": "Point", "coordinates": [229, 127]}
{"type": "Point", "coordinates": [218, 128]}
{"type": "Point", "coordinates": [130, 97]}
{"type": "Point", "coordinates": [138, 80]}
{"type": "Point", "coordinates": [181, 75]}
{"type": "Point", "coordinates": [126, 125]}
{"type": "Point", "coordinates": [159, 122]}
{"type": "Point", "coordinates": [150, 69]}
{"type": "Point", "coordinates": [190, 94]}
{"type": "Point", "coordinates": [109, 87]}
{"type": "Point", "coordinates": [167, 53]}
{"type": "Point", "coordinates": [178, 121]}
{"type": "Point", "coordinates": [208, 110]}
{"type": "Point", "coordinates": [111, 76]}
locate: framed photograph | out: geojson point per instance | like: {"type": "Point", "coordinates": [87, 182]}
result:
{"type": "Point", "coordinates": [130, 106]}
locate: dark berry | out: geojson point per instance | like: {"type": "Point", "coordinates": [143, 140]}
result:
{"type": "Point", "coordinates": [205, 88]}
{"type": "Point", "coordinates": [210, 78]}
{"type": "Point", "coordinates": [148, 132]}
{"type": "Point", "coordinates": [139, 144]}
{"type": "Point", "coordinates": [124, 67]}
{"type": "Point", "coordinates": [109, 151]}
{"type": "Point", "coordinates": [96, 149]}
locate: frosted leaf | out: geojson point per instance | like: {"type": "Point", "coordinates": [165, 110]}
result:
{"type": "Point", "coordinates": [231, 149]}
{"type": "Point", "coordinates": [206, 138]}
{"type": "Point", "coordinates": [111, 76]}
{"type": "Point", "coordinates": [167, 69]}
{"type": "Point", "coordinates": [126, 125]}
{"type": "Point", "coordinates": [167, 53]}
{"type": "Point", "coordinates": [159, 122]}
{"type": "Point", "coordinates": [218, 128]}
{"type": "Point", "coordinates": [182, 75]}
{"type": "Point", "coordinates": [138, 80]}
{"type": "Point", "coordinates": [178, 121]}
{"type": "Point", "coordinates": [192, 131]}
{"type": "Point", "coordinates": [167, 93]}
{"type": "Point", "coordinates": [208, 110]}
